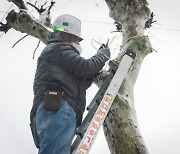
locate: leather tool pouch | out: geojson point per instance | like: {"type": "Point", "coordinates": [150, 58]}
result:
{"type": "Point", "coordinates": [52, 100]}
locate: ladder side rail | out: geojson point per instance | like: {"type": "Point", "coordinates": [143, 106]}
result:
{"type": "Point", "coordinates": [103, 88]}
{"type": "Point", "coordinates": [108, 98]}
{"type": "Point", "coordinates": [83, 127]}
{"type": "Point", "coordinates": [92, 109]}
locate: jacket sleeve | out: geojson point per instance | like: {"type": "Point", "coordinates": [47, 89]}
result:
{"type": "Point", "coordinates": [86, 68]}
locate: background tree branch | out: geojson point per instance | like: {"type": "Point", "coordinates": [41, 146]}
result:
{"type": "Point", "coordinates": [24, 22]}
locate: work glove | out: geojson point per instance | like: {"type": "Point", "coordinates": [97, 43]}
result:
{"type": "Point", "coordinates": [106, 52]}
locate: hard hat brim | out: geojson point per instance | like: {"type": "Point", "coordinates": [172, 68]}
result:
{"type": "Point", "coordinates": [73, 37]}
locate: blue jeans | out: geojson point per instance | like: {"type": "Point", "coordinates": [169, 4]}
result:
{"type": "Point", "coordinates": [53, 132]}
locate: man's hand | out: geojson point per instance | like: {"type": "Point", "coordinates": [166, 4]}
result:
{"type": "Point", "coordinates": [106, 52]}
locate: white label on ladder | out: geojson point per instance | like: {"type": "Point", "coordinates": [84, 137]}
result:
{"type": "Point", "coordinates": [104, 106]}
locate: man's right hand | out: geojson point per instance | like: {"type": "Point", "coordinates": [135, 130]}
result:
{"type": "Point", "coordinates": [106, 52]}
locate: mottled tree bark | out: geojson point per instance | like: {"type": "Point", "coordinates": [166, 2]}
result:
{"type": "Point", "coordinates": [121, 127]}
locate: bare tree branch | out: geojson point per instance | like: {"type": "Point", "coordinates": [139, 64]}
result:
{"type": "Point", "coordinates": [25, 23]}
{"type": "Point", "coordinates": [52, 4]}
{"type": "Point", "coordinates": [19, 3]}
{"type": "Point", "coordinates": [149, 23]}
{"type": "Point", "coordinates": [36, 49]}
{"type": "Point", "coordinates": [44, 13]}
{"type": "Point", "coordinates": [36, 8]}
{"type": "Point", "coordinates": [19, 40]}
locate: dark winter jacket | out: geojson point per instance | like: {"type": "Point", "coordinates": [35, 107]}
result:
{"type": "Point", "coordinates": [60, 66]}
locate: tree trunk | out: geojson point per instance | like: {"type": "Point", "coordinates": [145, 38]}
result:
{"type": "Point", "coordinates": [121, 127]}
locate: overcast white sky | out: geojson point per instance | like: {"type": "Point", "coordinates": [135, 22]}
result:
{"type": "Point", "coordinates": [156, 90]}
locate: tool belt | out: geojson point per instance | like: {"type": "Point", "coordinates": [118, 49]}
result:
{"type": "Point", "coordinates": [52, 100]}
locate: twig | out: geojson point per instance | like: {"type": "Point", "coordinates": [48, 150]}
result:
{"type": "Point", "coordinates": [34, 6]}
{"type": "Point", "coordinates": [34, 3]}
{"type": "Point", "coordinates": [36, 49]}
{"type": "Point", "coordinates": [118, 27]}
{"type": "Point", "coordinates": [52, 4]}
{"type": "Point", "coordinates": [149, 23]}
{"type": "Point", "coordinates": [44, 4]}
{"type": "Point", "coordinates": [154, 50]}
{"type": "Point", "coordinates": [19, 40]}
{"type": "Point", "coordinates": [41, 10]}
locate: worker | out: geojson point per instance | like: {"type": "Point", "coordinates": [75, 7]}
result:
{"type": "Point", "coordinates": [60, 84]}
